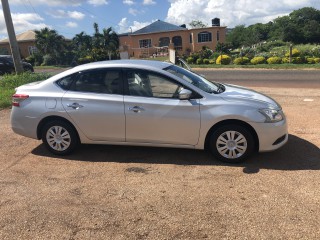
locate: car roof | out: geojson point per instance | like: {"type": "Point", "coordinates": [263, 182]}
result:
{"type": "Point", "coordinates": [139, 64]}
{"type": "Point", "coordinates": [125, 63]}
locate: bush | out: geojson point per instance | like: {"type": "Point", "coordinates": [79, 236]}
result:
{"type": "Point", "coordinates": [241, 61]}
{"type": "Point", "coordinates": [30, 59]}
{"type": "Point", "coordinates": [190, 60]}
{"type": "Point", "coordinates": [212, 61]}
{"type": "Point", "coordinates": [199, 61]}
{"type": "Point", "coordinates": [223, 60]}
{"type": "Point", "coordinates": [274, 60]}
{"type": "Point", "coordinates": [48, 60]}
{"type": "Point", "coordinates": [86, 59]}
{"type": "Point", "coordinates": [310, 60]}
{"type": "Point", "coordinates": [285, 60]}
{"type": "Point", "coordinates": [295, 53]}
{"type": "Point", "coordinates": [297, 60]}
{"type": "Point", "coordinates": [206, 61]}
{"type": "Point", "coordinates": [316, 60]}
{"type": "Point", "coordinates": [258, 60]}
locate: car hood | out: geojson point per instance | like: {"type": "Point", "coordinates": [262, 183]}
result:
{"type": "Point", "coordinates": [248, 96]}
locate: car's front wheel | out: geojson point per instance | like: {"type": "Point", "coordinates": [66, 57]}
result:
{"type": "Point", "coordinates": [59, 137]}
{"type": "Point", "coordinates": [231, 143]}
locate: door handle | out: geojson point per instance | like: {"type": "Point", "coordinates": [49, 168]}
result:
{"type": "Point", "coordinates": [74, 105]}
{"type": "Point", "coordinates": [136, 109]}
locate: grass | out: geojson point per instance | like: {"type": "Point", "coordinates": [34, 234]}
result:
{"type": "Point", "coordinates": [9, 82]}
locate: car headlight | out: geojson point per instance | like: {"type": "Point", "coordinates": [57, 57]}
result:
{"type": "Point", "coordinates": [272, 115]}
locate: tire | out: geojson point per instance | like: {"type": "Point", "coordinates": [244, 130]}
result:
{"type": "Point", "coordinates": [59, 137]}
{"type": "Point", "coordinates": [231, 143]}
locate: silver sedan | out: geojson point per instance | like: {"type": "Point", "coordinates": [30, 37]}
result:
{"type": "Point", "coordinates": [147, 103]}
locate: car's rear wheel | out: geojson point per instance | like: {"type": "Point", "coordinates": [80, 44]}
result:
{"type": "Point", "coordinates": [59, 137]}
{"type": "Point", "coordinates": [231, 143]}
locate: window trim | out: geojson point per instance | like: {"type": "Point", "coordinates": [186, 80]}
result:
{"type": "Point", "coordinates": [145, 39]}
{"type": "Point", "coordinates": [77, 74]}
{"type": "Point", "coordinates": [205, 34]}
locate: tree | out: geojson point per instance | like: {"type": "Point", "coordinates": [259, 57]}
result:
{"type": "Point", "coordinates": [82, 43]}
{"type": "Point", "coordinates": [197, 24]}
{"type": "Point", "coordinates": [111, 41]}
{"type": "Point", "coordinates": [49, 42]}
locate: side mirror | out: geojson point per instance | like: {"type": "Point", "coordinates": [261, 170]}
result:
{"type": "Point", "coordinates": [185, 94]}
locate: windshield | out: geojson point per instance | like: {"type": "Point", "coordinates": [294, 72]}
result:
{"type": "Point", "coordinates": [195, 79]}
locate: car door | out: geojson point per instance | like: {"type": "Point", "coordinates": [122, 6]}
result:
{"type": "Point", "coordinates": [154, 114]}
{"type": "Point", "coordinates": [95, 104]}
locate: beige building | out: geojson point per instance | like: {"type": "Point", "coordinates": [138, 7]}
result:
{"type": "Point", "coordinates": [26, 42]}
{"type": "Point", "coordinates": [156, 38]}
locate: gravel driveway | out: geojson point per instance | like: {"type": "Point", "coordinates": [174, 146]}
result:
{"type": "Point", "coordinates": [116, 192]}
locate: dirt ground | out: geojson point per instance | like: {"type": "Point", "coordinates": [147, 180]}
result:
{"type": "Point", "coordinates": [115, 192]}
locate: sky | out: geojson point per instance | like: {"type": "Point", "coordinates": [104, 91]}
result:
{"type": "Point", "coordinates": [70, 17]}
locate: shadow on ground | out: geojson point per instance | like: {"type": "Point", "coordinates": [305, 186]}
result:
{"type": "Point", "coordinates": [297, 154]}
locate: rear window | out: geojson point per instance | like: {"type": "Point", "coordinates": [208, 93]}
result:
{"type": "Point", "coordinates": [65, 83]}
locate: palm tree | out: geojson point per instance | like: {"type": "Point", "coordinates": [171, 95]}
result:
{"type": "Point", "coordinates": [111, 41]}
{"type": "Point", "coordinates": [83, 43]}
{"type": "Point", "coordinates": [49, 41]}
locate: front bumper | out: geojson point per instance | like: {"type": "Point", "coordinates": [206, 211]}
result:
{"type": "Point", "coordinates": [271, 135]}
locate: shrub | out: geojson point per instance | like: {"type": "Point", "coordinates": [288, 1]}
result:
{"type": "Point", "coordinates": [199, 61]}
{"type": "Point", "coordinates": [86, 59]}
{"type": "Point", "coordinates": [206, 61]}
{"type": "Point", "coordinates": [48, 60]}
{"type": "Point", "coordinates": [212, 61]}
{"type": "Point", "coordinates": [190, 60]}
{"type": "Point", "coordinates": [297, 60]}
{"type": "Point", "coordinates": [310, 60]}
{"type": "Point", "coordinates": [295, 53]}
{"type": "Point", "coordinates": [258, 60]}
{"type": "Point", "coordinates": [316, 60]}
{"type": "Point", "coordinates": [223, 60]}
{"type": "Point", "coordinates": [31, 59]}
{"type": "Point", "coordinates": [285, 60]}
{"type": "Point", "coordinates": [274, 60]}
{"type": "Point", "coordinates": [241, 61]}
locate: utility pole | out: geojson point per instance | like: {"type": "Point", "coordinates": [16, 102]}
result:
{"type": "Point", "coordinates": [12, 37]}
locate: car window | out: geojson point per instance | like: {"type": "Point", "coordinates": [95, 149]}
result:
{"type": "Point", "coordinates": [98, 81]}
{"type": "Point", "coordinates": [65, 83]}
{"type": "Point", "coordinates": [149, 84]}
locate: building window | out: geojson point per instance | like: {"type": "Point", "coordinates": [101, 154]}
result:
{"type": "Point", "coordinates": [177, 42]}
{"type": "Point", "coordinates": [145, 43]}
{"type": "Point", "coordinates": [218, 36]}
{"type": "Point", "coordinates": [190, 38]}
{"type": "Point", "coordinates": [4, 51]}
{"type": "Point", "coordinates": [32, 50]}
{"type": "Point", "coordinates": [204, 37]}
{"type": "Point", "coordinates": [164, 42]}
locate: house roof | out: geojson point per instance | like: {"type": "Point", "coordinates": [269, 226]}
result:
{"type": "Point", "coordinates": [158, 26]}
{"type": "Point", "coordinates": [22, 37]}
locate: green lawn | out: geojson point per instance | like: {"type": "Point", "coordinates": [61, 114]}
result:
{"type": "Point", "coordinates": [260, 66]}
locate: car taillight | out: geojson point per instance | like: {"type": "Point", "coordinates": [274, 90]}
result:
{"type": "Point", "coordinates": [18, 98]}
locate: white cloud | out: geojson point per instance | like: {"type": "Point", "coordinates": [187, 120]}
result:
{"type": "Point", "coordinates": [232, 13]}
{"type": "Point", "coordinates": [128, 2]}
{"type": "Point", "coordinates": [72, 24]}
{"type": "Point", "coordinates": [23, 22]}
{"type": "Point", "coordinates": [133, 11]}
{"type": "Point", "coordinates": [124, 25]}
{"type": "Point", "coordinates": [67, 14]}
{"type": "Point", "coordinates": [148, 2]}
{"type": "Point", "coordinates": [98, 2]}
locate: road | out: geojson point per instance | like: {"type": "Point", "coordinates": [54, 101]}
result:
{"type": "Point", "coordinates": [265, 78]}
{"type": "Point", "coordinates": [117, 192]}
